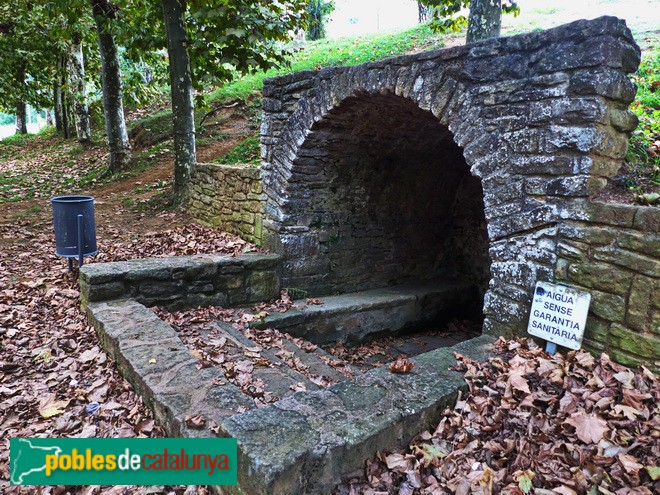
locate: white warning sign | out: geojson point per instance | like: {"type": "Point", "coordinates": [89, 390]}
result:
{"type": "Point", "coordinates": [559, 314]}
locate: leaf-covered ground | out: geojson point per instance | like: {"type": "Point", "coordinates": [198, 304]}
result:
{"type": "Point", "coordinates": [52, 368]}
{"type": "Point", "coordinates": [241, 363]}
{"type": "Point", "coordinates": [533, 423]}
{"type": "Point", "coordinates": [54, 378]}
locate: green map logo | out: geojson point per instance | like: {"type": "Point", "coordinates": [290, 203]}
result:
{"type": "Point", "coordinates": [23, 453]}
{"type": "Point", "coordinates": [138, 461]}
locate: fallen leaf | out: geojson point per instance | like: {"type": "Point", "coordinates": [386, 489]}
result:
{"type": "Point", "coordinates": [627, 411]}
{"type": "Point", "coordinates": [524, 480]}
{"type": "Point", "coordinates": [197, 421]}
{"type": "Point", "coordinates": [298, 387]}
{"type": "Point", "coordinates": [589, 428]}
{"type": "Point", "coordinates": [401, 365]}
{"type": "Point", "coordinates": [564, 490]}
{"type": "Point", "coordinates": [629, 463]}
{"type": "Point", "coordinates": [625, 377]}
{"type": "Point", "coordinates": [431, 454]}
{"type": "Point", "coordinates": [89, 355]}
{"type": "Point", "coordinates": [519, 382]}
{"type": "Point", "coordinates": [49, 407]}
{"type": "Point", "coordinates": [654, 472]}
{"type": "Point", "coordinates": [398, 462]}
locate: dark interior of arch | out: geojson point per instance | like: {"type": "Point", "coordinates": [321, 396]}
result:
{"type": "Point", "coordinates": [388, 199]}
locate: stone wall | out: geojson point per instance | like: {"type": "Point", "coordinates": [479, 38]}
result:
{"type": "Point", "coordinates": [229, 197]}
{"type": "Point", "coordinates": [184, 282]}
{"type": "Point", "coordinates": [541, 121]}
{"type": "Point", "coordinates": [477, 162]}
{"type": "Point", "coordinates": [615, 255]}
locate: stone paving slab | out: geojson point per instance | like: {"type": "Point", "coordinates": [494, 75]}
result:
{"type": "Point", "coordinates": [309, 442]}
{"type": "Point", "coordinates": [303, 444]}
{"type": "Point", "coordinates": [353, 317]}
{"type": "Point", "coordinates": [279, 378]}
{"type": "Point", "coordinates": [313, 361]}
{"type": "Point", "coordinates": [151, 356]}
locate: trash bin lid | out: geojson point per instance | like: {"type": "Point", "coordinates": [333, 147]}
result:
{"type": "Point", "coordinates": [72, 199]}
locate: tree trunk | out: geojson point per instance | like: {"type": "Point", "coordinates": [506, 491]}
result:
{"type": "Point", "coordinates": [66, 114]}
{"type": "Point", "coordinates": [21, 118]}
{"type": "Point", "coordinates": [484, 21]}
{"type": "Point", "coordinates": [57, 105]}
{"type": "Point", "coordinates": [76, 74]}
{"type": "Point", "coordinates": [21, 107]}
{"type": "Point", "coordinates": [422, 12]}
{"type": "Point", "coordinates": [182, 96]}
{"type": "Point", "coordinates": [113, 108]}
{"type": "Point", "coordinates": [49, 117]}
{"type": "Point", "coordinates": [62, 113]}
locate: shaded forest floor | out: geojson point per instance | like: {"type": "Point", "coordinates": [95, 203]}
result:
{"type": "Point", "coordinates": [51, 365]}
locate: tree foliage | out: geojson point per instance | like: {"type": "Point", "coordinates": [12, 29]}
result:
{"type": "Point", "coordinates": [26, 56]}
{"type": "Point", "coordinates": [6, 119]}
{"type": "Point", "coordinates": [446, 15]}
{"type": "Point", "coordinates": [40, 44]}
{"type": "Point", "coordinates": [222, 39]}
{"type": "Point", "coordinates": [209, 42]}
{"type": "Point", "coordinates": [318, 12]}
{"type": "Point", "coordinates": [225, 39]}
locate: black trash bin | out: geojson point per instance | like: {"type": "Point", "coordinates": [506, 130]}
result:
{"type": "Point", "coordinates": [75, 227]}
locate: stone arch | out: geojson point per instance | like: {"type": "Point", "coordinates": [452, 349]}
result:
{"type": "Point", "coordinates": [541, 119]}
{"type": "Point", "coordinates": [384, 192]}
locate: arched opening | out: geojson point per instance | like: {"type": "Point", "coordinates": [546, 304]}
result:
{"type": "Point", "coordinates": [380, 195]}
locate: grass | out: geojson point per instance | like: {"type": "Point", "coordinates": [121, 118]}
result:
{"type": "Point", "coordinates": [546, 11]}
{"type": "Point", "coordinates": [329, 53]}
{"type": "Point", "coordinates": [19, 139]}
{"type": "Point", "coordinates": [13, 145]}
{"type": "Point", "coordinates": [324, 53]}
{"type": "Point", "coordinates": [642, 168]}
{"type": "Point", "coordinates": [247, 152]}
{"type": "Point", "coordinates": [35, 166]}
{"type": "Point", "coordinates": [52, 166]}
{"type": "Point", "coordinates": [91, 178]}
{"type": "Point", "coordinates": [151, 129]}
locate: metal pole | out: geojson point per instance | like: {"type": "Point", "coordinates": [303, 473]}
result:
{"type": "Point", "coordinates": [550, 347]}
{"type": "Point", "coordinates": [80, 240]}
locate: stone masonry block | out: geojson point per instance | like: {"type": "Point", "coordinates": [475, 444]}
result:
{"type": "Point", "coordinates": [609, 307]}
{"type": "Point", "coordinates": [638, 314]}
{"type": "Point", "coordinates": [263, 285]}
{"type": "Point", "coordinates": [634, 342]}
{"type": "Point", "coordinates": [601, 276]}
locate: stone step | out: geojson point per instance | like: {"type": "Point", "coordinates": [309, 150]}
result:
{"type": "Point", "coordinates": [354, 317]}
{"type": "Point", "coordinates": [307, 442]}
{"type": "Point", "coordinates": [325, 356]}
{"type": "Point", "coordinates": [315, 360]}
{"type": "Point", "coordinates": [317, 365]}
{"type": "Point", "coordinates": [280, 379]}
{"type": "Point", "coordinates": [151, 356]}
